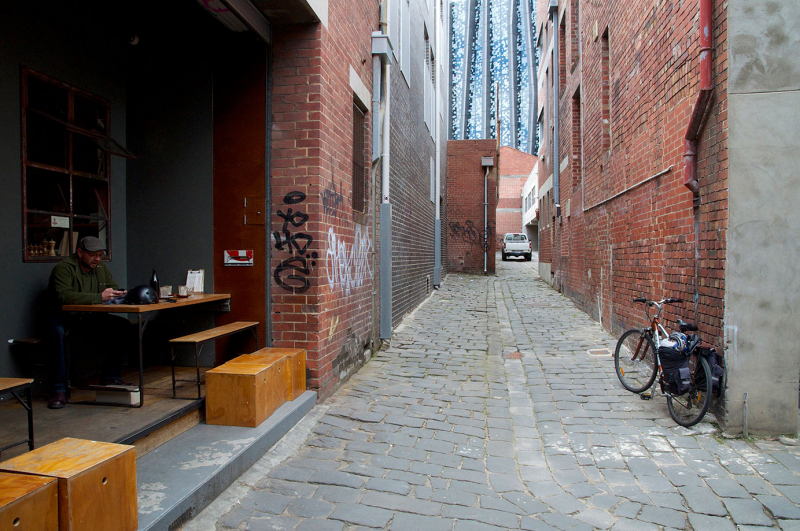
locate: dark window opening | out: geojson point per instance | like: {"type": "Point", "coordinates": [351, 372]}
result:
{"type": "Point", "coordinates": [562, 56]}
{"type": "Point", "coordinates": [605, 72]}
{"type": "Point", "coordinates": [65, 167]}
{"type": "Point", "coordinates": [577, 138]}
{"type": "Point", "coordinates": [359, 164]}
{"type": "Point", "coordinates": [575, 34]}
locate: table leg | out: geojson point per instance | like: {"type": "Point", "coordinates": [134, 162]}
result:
{"type": "Point", "coordinates": [141, 360]}
{"type": "Point", "coordinates": [29, 393]}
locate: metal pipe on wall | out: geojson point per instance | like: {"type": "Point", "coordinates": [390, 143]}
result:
{"type": "Point", "coordinates": [701, 105]}
{"type": "Point", "coordinates": [485, 219]}
{"type": "Point", "coordinates": [386, 212]}
{"type": "Point", "coordinates": [556, 162]}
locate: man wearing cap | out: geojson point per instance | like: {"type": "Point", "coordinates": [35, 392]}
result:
{"type": "Point", "coordinates": [83, 278]}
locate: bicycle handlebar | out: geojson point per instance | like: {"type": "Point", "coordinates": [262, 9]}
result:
{"type": "Point", "coordinates": [669, 300]}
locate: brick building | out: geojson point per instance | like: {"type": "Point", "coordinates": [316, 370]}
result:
{"type": "Point", "coordinates": [649, 184]}
{"type": "Point", "coordinates": [471, 223]}
{"type": "Point", "coordinates": [293, 108]}
{"type": "Point", "coordinates": [514, 169]}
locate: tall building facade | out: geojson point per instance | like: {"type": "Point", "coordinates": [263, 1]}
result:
{"type": "Point", "coordinates": [665, 171]}
{"type": "Point", "coordinates": [493, 71]}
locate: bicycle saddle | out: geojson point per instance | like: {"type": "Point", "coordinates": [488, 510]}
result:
{"type": "Point", "coordinates": [686, 327]}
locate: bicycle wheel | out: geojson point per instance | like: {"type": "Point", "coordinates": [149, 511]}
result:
{"type": "Point", "coordinates": [690, 408]}
{"type": "Point", "coordinates": [635, 360]}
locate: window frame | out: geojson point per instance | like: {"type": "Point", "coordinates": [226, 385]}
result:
{"type": "Point", "coordinates": [34, 252]}
{"type": "Point", "coordinates": [359, 160]}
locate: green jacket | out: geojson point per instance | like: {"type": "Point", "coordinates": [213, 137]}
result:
{"type": "Point", "coordinates": [66, 287]}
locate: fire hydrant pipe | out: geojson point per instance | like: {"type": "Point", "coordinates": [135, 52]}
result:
{"type": "Point", "coordinates": [703, 98]}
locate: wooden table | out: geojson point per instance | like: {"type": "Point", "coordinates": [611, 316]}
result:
{"type": "Point", "coordinates": [142, 312]}
{"type": "Point", "coordinates": [16, 386]}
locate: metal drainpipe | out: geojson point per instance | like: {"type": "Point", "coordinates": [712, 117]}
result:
{"type": "Point", "coordinates": [556, 161]}
{"type": "Point", "coordinates": [485, 219]}
{"type": "Point", "coordinates": [386, 213]}
{"type": "Point", "coordinates": [696, 123]}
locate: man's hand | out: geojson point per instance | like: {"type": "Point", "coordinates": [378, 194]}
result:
{"type": "Point", "coordinates": [110, 293]}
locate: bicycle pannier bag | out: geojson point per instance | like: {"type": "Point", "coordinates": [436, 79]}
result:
{"type": "Point", "coordinates": [717, 365]}
{"type": "Point", "coordinates": [675, 366]}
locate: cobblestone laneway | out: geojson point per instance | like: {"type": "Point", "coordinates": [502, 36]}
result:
{"type": "Point", "coordinates": [443, 432]}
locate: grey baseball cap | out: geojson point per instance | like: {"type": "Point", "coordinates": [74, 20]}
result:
{"type": "Point", "coordinates": [91, 244]}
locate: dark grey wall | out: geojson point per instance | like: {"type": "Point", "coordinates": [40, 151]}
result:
{"type": "Point", "coordinates": [170, 225]}
{"type": "Point", "coordinates": [62, 41]}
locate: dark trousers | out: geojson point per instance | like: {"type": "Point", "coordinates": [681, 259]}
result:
{"type": "Point", "coordinates": [110, 335]}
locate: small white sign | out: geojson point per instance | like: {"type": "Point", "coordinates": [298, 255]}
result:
{"type": "Point", "coordinates": [238, 258]}
{"type": "Point", "coordinates": [195, 279]}
{"type": "Point", "coordinates": [59, 221]}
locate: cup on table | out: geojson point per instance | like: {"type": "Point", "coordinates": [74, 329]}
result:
{"type": "Point", "coordinates": [166, 291]}
{"type": "Point", "coordinates": [183, 291]}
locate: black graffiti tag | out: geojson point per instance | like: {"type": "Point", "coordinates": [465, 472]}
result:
{"type": "Point", "coordinates": [469, 233]}
{"type": "Point", "coordinates": [291, 274]}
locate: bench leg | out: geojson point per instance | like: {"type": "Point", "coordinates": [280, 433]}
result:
{"type": "Point", "coordinates": [29, 392]}
{"type": "Point", "coordinates": [172, 355]}
{"type": "Point", "coordinates": [197, 366]}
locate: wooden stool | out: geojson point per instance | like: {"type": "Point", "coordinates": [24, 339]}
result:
{"type": "Point", "coordinates": [28, 503]}
{"type": "Point", "coordinates": [244, 394]}
{"type": "Point", "coordinates": [15, 386]}
{"type": "Point", "coordinates": [96, 482]}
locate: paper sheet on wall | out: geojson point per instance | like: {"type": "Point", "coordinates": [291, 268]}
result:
{"type": "Point", "coordinates": [195, 279]}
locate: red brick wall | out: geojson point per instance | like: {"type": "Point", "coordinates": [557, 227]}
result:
{"type": "Point", "coordinates": [515, 162]}
{"type": "Point", "coordinates": [465, 182]}
{"type": "Point", "coordinates": [325, 308]}
{"type": "Point", "coordinates": [643, 241]}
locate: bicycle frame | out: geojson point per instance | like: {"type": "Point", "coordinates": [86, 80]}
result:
{"type": "Point", "coordinates": [656, 329]}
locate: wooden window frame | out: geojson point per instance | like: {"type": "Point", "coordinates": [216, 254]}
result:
{"type": "Point", "coordinates": [359, 176]}
{"type": "Point", "coordinates": [99, 182]}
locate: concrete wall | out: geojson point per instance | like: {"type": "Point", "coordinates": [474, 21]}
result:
{"type": "Point", "coordinates": [763, 281]}
{"type": "Point", "coordinates": [87, 52]}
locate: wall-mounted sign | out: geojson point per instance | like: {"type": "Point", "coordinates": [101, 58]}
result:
{"type": "Point", "coordinates": [238, 258]}
{"type": "Point", "coordinates": [59, 221]}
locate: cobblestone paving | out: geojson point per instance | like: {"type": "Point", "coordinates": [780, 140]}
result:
{"type": "Point", "coordinates": [443, 432]}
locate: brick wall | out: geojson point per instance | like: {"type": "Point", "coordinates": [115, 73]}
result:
{"type": "Point", "coordinates": [412, 151]}
{"type": "Point", "coordinates": [465, 213]}
{"type": "Point", "coordinates": [642, 242]}
{"type": "Point", "coordinates": [322, 279]}
{"type": "Point", "coordinates": [514, 167]}
{"type": "Point", "coordinates": [322, 283]}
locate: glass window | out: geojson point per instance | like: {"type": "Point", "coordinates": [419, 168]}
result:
{"type": "Point", "coordinates": [65, 174]}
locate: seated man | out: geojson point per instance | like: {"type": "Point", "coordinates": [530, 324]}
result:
{"type": "Point", "coordinates": [83, 278]}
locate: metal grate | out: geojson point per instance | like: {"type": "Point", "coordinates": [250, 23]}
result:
{"type": "Point", "coordinates": [359, 167]}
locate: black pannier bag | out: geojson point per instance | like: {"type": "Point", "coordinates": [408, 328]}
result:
{"type": "Point", "coordinates": [675, 366]}
{"type": "Point", "coordinates": [717, 365]}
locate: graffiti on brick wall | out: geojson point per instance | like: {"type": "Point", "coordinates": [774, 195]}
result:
{"type": "Point", "coordinates": [348, 266]}
{"type": "Point", "coordinates": [332, 199]}
{"type": "Point", "coordinates": [292, 273]}
{"type": "Point", "coordinates": [350, 355]}
{"type": "Point", "coordinates": [471, 233]}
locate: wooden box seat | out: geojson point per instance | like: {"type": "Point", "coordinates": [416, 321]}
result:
{"type": "Point", "coordinates": [96, 482]}
{"type": "Point", "coordinates": [296, 367]}
{"type": "Point", "coordinates": [28, 503]}
{"type": "Point", "coordinates": [199, 338]}
{"type": "Point", "coordinates": [244, 394]}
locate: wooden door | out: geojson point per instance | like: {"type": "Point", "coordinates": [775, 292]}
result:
{"type": "Point", "coordinates": [240, 184]}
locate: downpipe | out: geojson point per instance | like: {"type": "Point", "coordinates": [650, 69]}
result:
{"type": "Point", "coordinates": [485, 220]}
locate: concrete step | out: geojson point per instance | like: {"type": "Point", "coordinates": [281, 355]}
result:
{"type": "Point", "coordinates": [180, 478]}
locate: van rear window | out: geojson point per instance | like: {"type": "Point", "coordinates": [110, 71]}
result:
{"type": "Point", "coordinates": [516, 238]}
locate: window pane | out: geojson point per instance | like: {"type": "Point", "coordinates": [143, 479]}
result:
{"type": "Point", "coordinates": [46, 141]}
{"type": "Point", "coordinates": [47, 190]}
{"type": "Point", "coordinates": [87, 157]}
{"type": "Point", "coordinates": [90, 114]}
{"type": "Point", "coordinates": [89, 197]}
{"type": "Point", "coordinates": [91, 227]}
{"type": "Point", "coordinates": [41, 232]}
{"type": "Point", "coordinates": [46, 97]}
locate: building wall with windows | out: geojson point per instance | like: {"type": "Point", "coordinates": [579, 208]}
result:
{"type": "Point", "coordinates": [322, 87]}
{"type": "Point", "coordinates": [514, 168]}
{"type": "Point", "coordinates": [624, 224]}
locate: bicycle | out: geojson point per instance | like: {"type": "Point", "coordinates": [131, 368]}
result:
{"type": "Point", "coordinates": [637, 363]}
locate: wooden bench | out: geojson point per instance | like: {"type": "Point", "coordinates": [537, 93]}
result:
{"type": "Point", "coordinates": [200, 338]}
{"type": "Point", "coordinates": [15, 386]}
{"type": "Point", "coordinates": [28, 502]}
